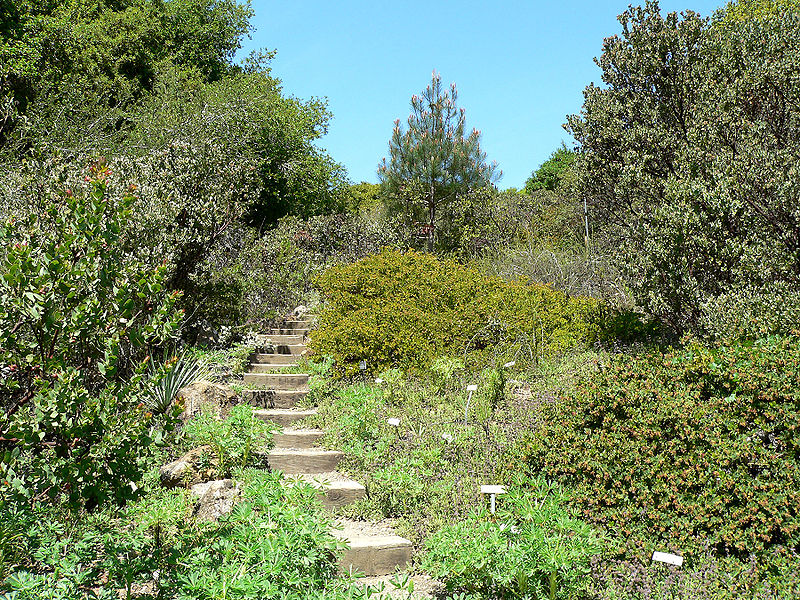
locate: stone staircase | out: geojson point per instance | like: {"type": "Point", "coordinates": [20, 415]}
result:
{"type": "Point", "coordinates": [276, 387]}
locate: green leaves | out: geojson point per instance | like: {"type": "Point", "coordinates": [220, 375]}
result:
{"type": "Point", "coordinates": [72, 329]}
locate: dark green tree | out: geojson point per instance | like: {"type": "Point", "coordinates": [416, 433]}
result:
{"type": "Point", "coordinates": [435, 159]}
{"type": "Point", "coordinates": [556, 173]}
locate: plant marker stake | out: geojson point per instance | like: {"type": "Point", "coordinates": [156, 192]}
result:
{"type": "Point", "coordinates": [470, 389]}
{"type": "Point", "coordinates": [378, 380]}
{"type": "Point", "coordinates": [508, 365]}
{"type": "Point", "coordinates": [362, 365]}
{"type": "Point", "coordinates": [493, 491]}
{"type": "Point", "coordinates": [394, 422]}
{"type": "Point", "coordinates": [666, 557]}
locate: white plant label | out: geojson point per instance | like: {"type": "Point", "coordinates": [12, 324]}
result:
{"type": "Point", "coordinates": [362, 365]}
{"type": "Point", "coordinates": [493, 489]}
{"type": "Point", "coordinates": [508, 365]}
{"type": "Point", "coordinates": [378, 380]}
{"type": "Point", "coordinates": [666, 557]}
{"type": "Point", "coordinates": [394, 422]}
{"type": "Point", "coordinates": [472, 388]}
{"type": "Point", "coordinates": [447, 437]}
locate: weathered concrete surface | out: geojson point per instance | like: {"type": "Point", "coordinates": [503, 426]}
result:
{"type": "Point", "coordinates": [373, 550]}
{"type": "Point", "coordinates": [291, 437]}
{"type": "Point", "coordinates": [283, 417]}
{"type": "Point", "coordinates": [307, 460]}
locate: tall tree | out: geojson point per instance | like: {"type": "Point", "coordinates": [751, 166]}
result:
{"type": "Point", "coordinates": [689, 156]}
{"type": "Point", "coordinates": [434, 159]}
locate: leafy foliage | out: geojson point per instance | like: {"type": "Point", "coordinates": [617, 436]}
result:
{"type": "Point", "coordinates": [434, 159]}
{"type": "Point", "coordinates": [238, 441]}
{"type": "Point", "coordinates": [556, 173]}
{"type": "Point", "coordinates": [688, 156]}
{"type": "Point", "coordinates": [691, 448]}
{"type": "Point", "coordinates": [531, 548]}
{"type": "Point", "coordinates": [78, 317]}
{"type": "Point", "coordinates": [404, 309]}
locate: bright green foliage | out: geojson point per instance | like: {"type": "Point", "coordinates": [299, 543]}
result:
{"type": "Point", "coordinates": [435, 159]}
{"type": "Point", "coordinates": [238, 441]}
{"type": "Point", "coordinates": [530, 549]}
{"type": "Point", "coordinates": [556, 173]}
{"type": "Point", "coordinates": [404, 309]}
{"type": "Point", "coordinates": [745, 10]}
{"type": "Point", "coordinates": [275, 544]}
{"type": "Point", "coordinates": [364, 197]}
{"type": "Point", "coordinates": [692, 448]}
{"type": "Point", "coordinates": [77, 317]}
{"type": "Point", "coordinates": [689, 159]}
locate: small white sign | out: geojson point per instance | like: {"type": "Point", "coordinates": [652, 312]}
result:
{"type": "Point", "coordinates": [666, 557]}
{"type": "Point", "coordinates": [447, 437]}
{"type": "Point", "coordinates": [472, 388]}
{"type": "Point", "coordinates": [362, 365]}
{"type": "Point", "coordinates": [508, 365]}
{"type": "Point", "coordinates": [493, 489]}
{"type": "Point", "coordinates": [378, 380]}
{"type": "Point", "coordinates": [394, 422]}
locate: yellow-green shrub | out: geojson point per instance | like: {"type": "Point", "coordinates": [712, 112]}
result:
{"type": "Point", "coordinates": [398, 309]}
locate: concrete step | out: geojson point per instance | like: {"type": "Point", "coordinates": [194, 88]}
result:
{"type": "Point", "coordinates": [266, 368]}
{"type": "Point", "coordinates": [283, 340]}
{"type": "Point", "coordinates": [303, 460]}
{"type": "Point", "coordinates": [283, 417]}
{"type": "Point", "coordinates": [274, 398]}
{"type": "Point", "coordinates": [373, 550]}
{"type": "Point", "coordinates": [273, 359]}
{"type": "Point", "coordinates": [297, 438]}
{"type": "Point", "coordinates": [277, 381]}
{"type": "Point", "coordinates": [287, 331]}
{"type": "Point", "coordinates": [334, 489]}
{"type": "Point", "coordinates": [282, 349]}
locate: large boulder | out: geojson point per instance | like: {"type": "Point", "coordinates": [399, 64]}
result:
{"type": "Point", "coordinates": [216, 498]}
{"type": "Point", "coordinates": [196, 466]}
{"type": "Point", "coordinates": [203, 396]}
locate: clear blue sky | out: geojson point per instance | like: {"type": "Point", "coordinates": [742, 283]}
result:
{"type": "Point", "coordinates": [520, 67]}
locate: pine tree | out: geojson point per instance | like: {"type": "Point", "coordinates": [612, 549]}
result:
{"type": "Point", "coordinates": [433, 160]}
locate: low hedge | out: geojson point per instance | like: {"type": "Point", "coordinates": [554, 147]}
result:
{"type": "Point", "coordinates": [697, 448]}
{"type": "Point", "coordinates": [403, 309]}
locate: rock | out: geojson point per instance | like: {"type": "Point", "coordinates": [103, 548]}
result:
{"type": "Point", "coordinates": [188, 469]}
{"type": "Point", "coordinates": [300, 311]}
{"type": "Point", "coordinates": [206, 395]}
{"type": "Point", "coordinates": [216, 498]}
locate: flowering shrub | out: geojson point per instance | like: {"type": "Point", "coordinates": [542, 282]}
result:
{"type": "Point", "coordinates": [77, 319]}
{"type": "Point", "coordinates": [694, 448]}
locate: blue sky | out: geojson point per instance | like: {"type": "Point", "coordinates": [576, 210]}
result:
{"type": "Point", "coordinates": [520, 67]}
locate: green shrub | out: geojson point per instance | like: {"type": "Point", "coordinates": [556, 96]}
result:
{"type": "Point", "coordinates": [78, 317]}
{"type": "Point", "coordinates": [237, 441]}
{"type": "Point", "coordinates": [399, 309]}
{"type": "Point", "coordinates": [531, 548]}
{"type": "Point", "coordinates": [688, 449]}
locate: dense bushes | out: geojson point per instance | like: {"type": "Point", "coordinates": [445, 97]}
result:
{"type": "Point", "coordinates": [696, 448]}
{"type": "Point", "coordinates": [78, 318]}
{"type": "Point", "coordinates": [405, 309]}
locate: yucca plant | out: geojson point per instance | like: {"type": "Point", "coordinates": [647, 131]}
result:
{"type": "Point", "coordinates": [174, 374]}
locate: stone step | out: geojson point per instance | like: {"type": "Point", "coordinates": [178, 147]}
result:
{"type": "Point", "coordinates": [266, 368]}
{"type": "Point", "coordinates": [373, 550]}
{"type": "Point", "coordinates": [297, 438]}
{"type": "Point", "coordinates": [283, 417]}
{"type": "Point", "coordinates": [274, 398]}
{"type": "Point", "coordinates": [283, 340]}
{"type": "Point", "coordinates": [333, 489]}
{"type": "Point", "coordinates": [274, 359]}
{"type": "Point", "coordinates": [299, 324]}
{"type": "Point", "coordinates": [303, 460]}
{"type": "Point", "coordinates": [287, 331]}
{"type": "Point", "coordinates": [277, 381]}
